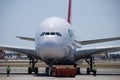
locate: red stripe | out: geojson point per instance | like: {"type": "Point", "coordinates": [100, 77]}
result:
{"type": "Point", "coordinates": [69, 12]}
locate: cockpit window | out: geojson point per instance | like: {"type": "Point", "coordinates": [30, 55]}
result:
{"type": "Point", "coordinates": [51, 33]}
{"type": "Point", "coordinates": [47, 33]}
{"type": "Point", "coordinates": [58, 34]}
{"type": "Point", "coordinates": [42, 34]}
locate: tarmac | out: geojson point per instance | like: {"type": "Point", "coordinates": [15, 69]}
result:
{"type": "Point", "coordinates": [20, 73]}
{"type": "Point", "coordinates": [78, 77]}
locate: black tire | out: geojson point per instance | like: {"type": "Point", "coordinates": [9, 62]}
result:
{"type": "Point", "coordinates": [72, 76]}
{"type": "Point", "coordinates": [47, 71]}
{"type": "Point", "coordinates": [29, 70]}
{"type": "Point", "coordinates": [88, 71]}
{"type": "Point", "coordinates": [50, 73]}
{"type": "Point", "coordinates": [78, 70]}
{"type": "Point", "coordinates": [94, 73]}
{"type": "Point", "coordinates": [36, 70]}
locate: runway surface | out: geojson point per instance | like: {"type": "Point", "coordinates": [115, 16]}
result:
{"type": "Point", "coordinates": [78, 77]}
{"type": "Point", "coordinates": [20, 73]}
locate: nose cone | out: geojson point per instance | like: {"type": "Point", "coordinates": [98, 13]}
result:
{"type": "Point", "coordinates": [51, 50]}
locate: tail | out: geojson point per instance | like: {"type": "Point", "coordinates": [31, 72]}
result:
{"type": "Point", "coordinates": [69, 12]}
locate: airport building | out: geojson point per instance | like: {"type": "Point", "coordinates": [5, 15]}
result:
{"type": "Point", "coordinates": [12, 56]}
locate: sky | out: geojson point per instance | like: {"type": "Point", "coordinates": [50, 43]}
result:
{"type": "Point", "coordinates": [91, 19]}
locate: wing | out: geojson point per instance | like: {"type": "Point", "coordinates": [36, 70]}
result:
{"type": "Point", "coordinates": [87, 52]}
{"type": "Point", "coordinates": [26, 38]}
{"type": "Point", "coordinates": [97, 40]}
{"type": "Point", "coordinates": [105, 55]}
{"type": "Point", "coordinates": [27, 51]}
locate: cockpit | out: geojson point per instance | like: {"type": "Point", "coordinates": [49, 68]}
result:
{"type": "Point", "coordinates": [51, 33]}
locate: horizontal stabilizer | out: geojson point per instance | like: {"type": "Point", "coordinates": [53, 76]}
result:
{"type": "Point", "coordinates": [97, 40]}
{"type": "Point", "coordinates": [26, 38]}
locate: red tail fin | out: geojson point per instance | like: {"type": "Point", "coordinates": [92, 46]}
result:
{"type": "Point", "coordinates": [69, 12]}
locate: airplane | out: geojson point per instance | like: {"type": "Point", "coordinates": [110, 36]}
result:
{"type": "Point", "coordinates": [55, 44]}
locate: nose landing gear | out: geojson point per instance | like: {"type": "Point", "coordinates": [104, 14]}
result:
{"type": "Point", "coordinates": [48, 71]}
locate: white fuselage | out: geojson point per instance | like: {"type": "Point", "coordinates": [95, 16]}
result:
{"type": "Point", "coordinates": [53, 39]}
